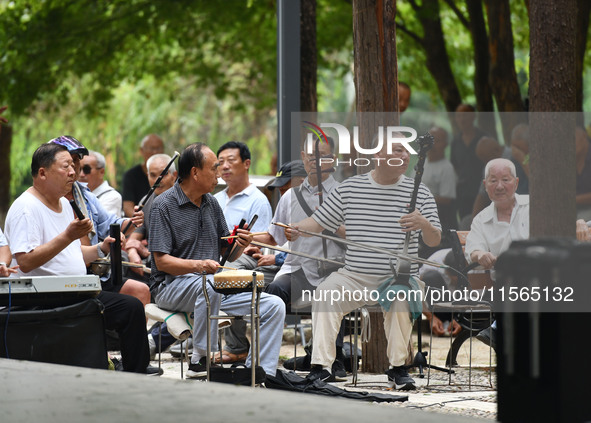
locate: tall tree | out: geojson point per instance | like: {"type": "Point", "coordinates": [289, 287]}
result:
{"type": "Point", "coordinates": [502, 75]}
{"type": "Point", "coordinates": [552, 89]}
{"type": "Point", "coordinates": [433, 43]}
{"type": "Point", "coordinates": [583, 12]}
{"type": "Point", "coordinates": [477, 26]}
{"type": "Point", "coordinates": [308, 65]}
{"type": "Point", "coordinates": [482, 88]}
{"type": "Point", "coordinates": [376, 87]}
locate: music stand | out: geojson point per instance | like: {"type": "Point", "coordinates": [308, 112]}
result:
{"type": "Point", "coordinates": [420, 359]}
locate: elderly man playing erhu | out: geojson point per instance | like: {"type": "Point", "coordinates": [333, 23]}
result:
{"type": "Point", "coordinates": [186, 227]}
{"type": "Point", "coordinates": [373, 208]}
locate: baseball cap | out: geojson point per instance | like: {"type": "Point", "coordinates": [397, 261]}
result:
{"type": "Point", "coordinates": [286, 172]}
{"type": "Point", "coordinates": [72, 144]}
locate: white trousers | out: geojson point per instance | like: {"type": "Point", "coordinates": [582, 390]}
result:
{"type": "Point", "coordinates": [343, 292]}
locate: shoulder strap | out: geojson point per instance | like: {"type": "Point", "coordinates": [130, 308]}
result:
{"type": "Point", "coordinates": [104, 192]}
{"type": "Point", "coordinates": [309, 211]}
{"type": "Point", "coordinates": [303, 204]}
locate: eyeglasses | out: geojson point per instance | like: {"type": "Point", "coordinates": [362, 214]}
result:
{"type": "Point", "coordinates": [72, 144]}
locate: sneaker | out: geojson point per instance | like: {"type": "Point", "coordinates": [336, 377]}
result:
{"type": "Point", "coordinates": [301, 363]}
{"type": "Point", "coordinates": [318, 373]}
{"type": "Point", "coordinates": [154, 371]}
{"type": "Point", "coordinates": [398, 378]}
{"type": "Point", "coordinates": [338, 370]}
{"type": "Point", "coordinates": [488, 336]}
{"type": "Point", "coordinates": [175, 350]}
{"type": "Point", "coordinates": [117, 364]}
{"type": "Point", "coordinates": [197, 370]}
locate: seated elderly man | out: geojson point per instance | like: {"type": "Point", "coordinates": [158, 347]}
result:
{"type": "Point", "coordinates": [373, 208]}
{"type": "Point", "coordinates": [92, 173]}
{"type": "Point", "coordinates": [45, 239]}
{"type": "Point", "coordinates": [505, 220]}
{"type": "Point", "coordinates": [101, 219]}
{"type": "Point", "coordinates": [583, 231]}
{"type": "Point", "coordinates": [186, 226]}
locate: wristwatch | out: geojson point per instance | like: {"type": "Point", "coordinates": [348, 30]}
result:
{"type": "Point", "coordinates": [2, 264]}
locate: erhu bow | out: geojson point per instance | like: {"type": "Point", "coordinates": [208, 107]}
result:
{"type": "Point", "coordinates": [367, 247]}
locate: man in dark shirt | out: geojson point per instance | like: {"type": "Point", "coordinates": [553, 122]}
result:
{"type": "Point", "coordinates": [467, 165]}
{"type": "Point", "coordinates": [186, 226]}
{"type": "Point", "coordinates": [135, 180]}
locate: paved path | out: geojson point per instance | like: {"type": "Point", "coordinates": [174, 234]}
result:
{"type": "Point", "coordinates": [39, 392]}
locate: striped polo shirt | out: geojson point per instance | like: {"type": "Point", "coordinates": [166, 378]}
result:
{"type": "Point", "coordinates": [371, 214]}
{"type": "Point", "coordinates": [182, 229]}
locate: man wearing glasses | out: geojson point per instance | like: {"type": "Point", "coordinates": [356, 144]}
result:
{"type": "Point", "coordinates": [92, 172]}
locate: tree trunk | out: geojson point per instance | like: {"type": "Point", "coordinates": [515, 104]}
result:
{"type": "Point", "coordinates": [482, 88]}
{"type": "Point", "coordinates": [502, 76]}
{"type": "Point", "coordinates": [437, 59]}
{"type": "Point", "coordinates": [552, 89]}
{"type": "Point", "coordinates": [376, 86]}
{"type": "Point", "coordinates": [583, 11]}
{"type": "Point", "coordinates": [308, 54]}
{"type": "Point", "coordinates": [5, 142]}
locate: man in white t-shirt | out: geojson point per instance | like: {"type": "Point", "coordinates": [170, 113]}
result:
{"type": "Point", "coordinates": [5, 257]}
{"type": "Point", "coordinates": [44, 237]}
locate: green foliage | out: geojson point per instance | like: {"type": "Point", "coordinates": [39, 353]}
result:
{"type": "Point", "coordinates": [111, 71]}
{"type": "Point", "coordinates": [230, 48]}
{"type": "Point", "coordinates": [192, 114]}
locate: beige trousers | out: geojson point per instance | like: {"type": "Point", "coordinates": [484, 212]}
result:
{"type": "Point", "coordinates": [343, 292]}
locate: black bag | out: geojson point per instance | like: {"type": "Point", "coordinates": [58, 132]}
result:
{"type": "Point", "coordinates": [289, 381]}
{"type": "Point", "coordinates": [236, 375]}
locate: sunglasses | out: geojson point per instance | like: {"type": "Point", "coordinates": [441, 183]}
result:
{"type": "Point", "coordinates": [87, 169]}
{"type": "Point", "coordinates": [72, 144]}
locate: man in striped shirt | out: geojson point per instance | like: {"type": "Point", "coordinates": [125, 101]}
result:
{"type": "Point", "coordinates": [374, 209]}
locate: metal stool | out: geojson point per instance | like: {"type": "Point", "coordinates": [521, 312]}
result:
{"type": "Point", "coordinates": [180, 325]}
{"type": "Point", "coordinates": [468, 308]}
{"type": "Point", "coordinates": [254, 321]}
{"type": "Point", "coordinates": [362, 313]}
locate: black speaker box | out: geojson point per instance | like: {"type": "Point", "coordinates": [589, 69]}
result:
{"type": "Point", "coordinates": [72, 335]}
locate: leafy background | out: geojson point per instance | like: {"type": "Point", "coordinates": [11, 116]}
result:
{"type": "Point", "coordinates": [110, 72]}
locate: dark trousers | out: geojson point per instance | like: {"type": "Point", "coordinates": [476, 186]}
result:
{"type": "Point", "coordinates": [125, 315]}
{"type": "Point", "coordinates": [167, 338]}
